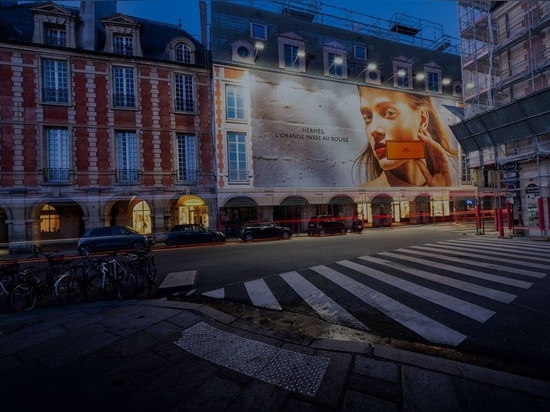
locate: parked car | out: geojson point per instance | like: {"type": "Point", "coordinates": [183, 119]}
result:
{"type": "Point", "coordinates": [263, 230]}
{"type": "Point", "coordinates": [323, 224]}
{"type": "Point", "coordinates": [191, 234]}
{"type": "Point", "coordinates": [113, 238]}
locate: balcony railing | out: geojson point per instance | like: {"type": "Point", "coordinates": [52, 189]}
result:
{"type": "Point", "coordinates": [238, 175]}
{"type": "Point", "coordinates": [124, 100]}
{"type": "Point", "coordinates": [185, 105]}
{"type": "Point", "coordinates": [127, 175]}
{"type": "Point", "coordinates": [56, 175]}
{"type": "Point", "coordinates": [55, 95]}
{"type": "Point", "coordinates": [188, 176]}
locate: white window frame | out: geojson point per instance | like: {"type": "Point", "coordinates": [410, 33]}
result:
{"type": "Point", "coordinates": [184, 93]}
{"type": "Point", "coordinates": [299, 61]}
{"type": "Point", "coordinates": [254, 33]}
{"type": "Point", "coordinates": [332, 51]}
{"type": "Point", "coordinates": [127, 157]}
{"type": "Point", "coordinates": [123, 44]}
{"type": "Point", "coordinates": [402, 82]}
{"type": "Point", "coordinates": [55, 81]}
{"type": "Point", "coordinates": [357, 55]}
{"type": "Point", "coordinates": [186, 152]}
{"type": "Point", "coordinates": [237, 157]}
{"type": "Point", "coordinates": [58, 157]}
{"type": "Point", "coordinates": [56, 36]}
{"type": "Point", "coordinates": [431, 73]}
{"type": "Point", "coordinates": [183, 53]}
{"type": "Point", "coordinates": [235, 105]}
{"type": "Point", "coordinates": [124, 87]}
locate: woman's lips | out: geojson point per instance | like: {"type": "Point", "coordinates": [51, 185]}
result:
{"type": "Point", "coordinates": [380, 149]}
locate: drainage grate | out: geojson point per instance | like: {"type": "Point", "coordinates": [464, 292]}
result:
{"type": "Point", "coordinates": [290, 370]}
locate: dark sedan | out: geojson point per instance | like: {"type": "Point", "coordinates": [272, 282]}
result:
{"type": "Point", "coordinates": [263, 230]}
{"type": "Point", "coordinates": [113, 238]}
{"type": "Point", "coordinates": [192, 234]}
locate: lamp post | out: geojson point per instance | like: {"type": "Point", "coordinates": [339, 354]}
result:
{"type": "Point", "coordinates": [257, 48]}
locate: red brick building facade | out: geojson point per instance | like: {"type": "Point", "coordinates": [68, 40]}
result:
{"type": "Point", "coordinates": [104, 120]}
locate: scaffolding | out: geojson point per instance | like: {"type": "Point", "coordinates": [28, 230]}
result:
{"type": "Point", "coordinates": [400, 28]}
{"type": "Point", "coordinates": [502, 50]}
{"type": "Point", "coordinates": [506, 70]}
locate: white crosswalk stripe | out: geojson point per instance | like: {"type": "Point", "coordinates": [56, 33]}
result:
{"type": "Point", "coordinates": [261, 296]}
{"type": "Point", "coordinates": [444, 280]}
{"type": "Point", "coordinates": [500, 250]}
{"type": "Point", "coordinates": [474, 267]}
{"type": "Point", "coordinates": [432, 246]}
{"type": "Point", "coordinates": [457, 269]}
{"type": "Point", "coordinates": [327, 308]}
{"type": "Point", "coordinates": [458, 305]}
{"type": "Point", "coordinates": [415, 321]}
{"type": "Point", "coordinates": [497, 252]}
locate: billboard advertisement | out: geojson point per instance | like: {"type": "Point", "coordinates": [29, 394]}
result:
{"type": "Point", "coordinates": [309, 132]}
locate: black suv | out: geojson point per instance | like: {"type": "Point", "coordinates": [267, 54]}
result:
{"type": "Point", "coordinates": [192, 234]}
{"type": "Point", "coordinates": [113, 238]}
{"type": "Point", "coordinates": [263, 230]}
{"type": "Point", "coordinates": [323, 224]}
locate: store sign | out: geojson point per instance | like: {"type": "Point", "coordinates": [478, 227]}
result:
{"type": "Point", "coordinates": [532, 191]}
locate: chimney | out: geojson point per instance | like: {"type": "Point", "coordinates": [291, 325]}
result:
{"type": "Point", "coordinates": [202, 8]}
{"type": "Point", "coordinates": [92, 33]}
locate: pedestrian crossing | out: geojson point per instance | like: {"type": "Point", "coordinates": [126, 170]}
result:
{"type": "Point", "coordinates": [435, 290]}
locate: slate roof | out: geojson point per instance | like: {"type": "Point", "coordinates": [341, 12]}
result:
{"type": "Point", "coordinates": [17, 26]}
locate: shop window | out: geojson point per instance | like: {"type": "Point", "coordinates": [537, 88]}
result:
{"type": "Point", "coordinates": [49, 219]}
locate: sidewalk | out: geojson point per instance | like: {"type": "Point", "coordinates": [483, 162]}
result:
{"type": "Point", "coordinates": [161, 355]}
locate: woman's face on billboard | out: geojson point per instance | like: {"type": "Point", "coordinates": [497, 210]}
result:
{"type": "Point", "coordinates": [388, 117]}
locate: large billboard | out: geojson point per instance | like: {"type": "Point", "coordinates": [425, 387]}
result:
{"type": "Point", "coordinates": [310, 132]}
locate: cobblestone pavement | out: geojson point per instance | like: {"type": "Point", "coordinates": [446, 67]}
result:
{"type": "Point", "coordinates": [162, 355]}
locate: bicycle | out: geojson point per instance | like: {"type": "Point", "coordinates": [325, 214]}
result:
{"type": "Point", "coordinates": [58, 278]}
{"type": "Point", "coordinates": [145, 271]}
{"type": "Point", "coordinates": [9, 275]}
{"type": "Point", "coordinates": [111, 277]}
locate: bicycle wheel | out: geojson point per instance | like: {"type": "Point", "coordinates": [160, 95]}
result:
{"type": "Point", "coordinates": [143, 284]}
{"type": "Point", "coordinates": [23, 297]}
{"type": "Point", "coordinates": [100, 287]}
{"type": "Point", "coordinates": [68, 289]}
{"type": "Point", "coordinates": [126, 285]}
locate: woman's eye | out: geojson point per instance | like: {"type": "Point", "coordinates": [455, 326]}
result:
{"type": "Point", "coordinates": [390, 113]}
{"type": "Point", "coordinates": [367, 117]}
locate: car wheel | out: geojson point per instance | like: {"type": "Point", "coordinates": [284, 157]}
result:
{"type": "Point", "coordinates": [84, 250]}
{"type": "Point", "coordinates": [249, 237]}
{"type": "Point", "coordinates": [310, 233]}
{"type": "Point", "coordinates": [343, 231]}
{"type": "Point", "coordinates": [138, 244]}
{"type": "Point", "coordinates": [216, 239]}
{"type": "Point", "coordinates": [322, 232]}
{"type": "Point", "coordinates": [170, 242]}
{"type": "Point", "coordinates": [286, 235]}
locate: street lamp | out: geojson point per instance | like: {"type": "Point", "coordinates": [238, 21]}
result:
{"type": "Point", "coordinates": [257, 47]}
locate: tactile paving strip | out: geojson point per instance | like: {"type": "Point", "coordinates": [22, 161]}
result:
{"type": "Point", "coordinates": [290, 370]}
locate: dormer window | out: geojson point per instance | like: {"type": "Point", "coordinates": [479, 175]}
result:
{"type": "Point", "coordinates": [54, 25]}
{"type": "Point", "coordinates": [402, 74]}
{"type": "Point", "coordinates": [244, 52]}
{"type": "Point", "coordinates": [258, 31]}
{"type": "Point", "coordinates": [181, 50]}
{"type": "Point", "coordinates": [123, 45]}
{"type": "Point", "coordinates": [335, 60]}
{"type": "Point", "coordinates": [183, 53]}
{"type": "Point", "coordinates": [56, 36]}
{"type": "Point", "coordinates": [122, 35]}
{"type": "Point", "coordinates": [292, 52]}
{"type": "Point", "coordinates": [433, 79]}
